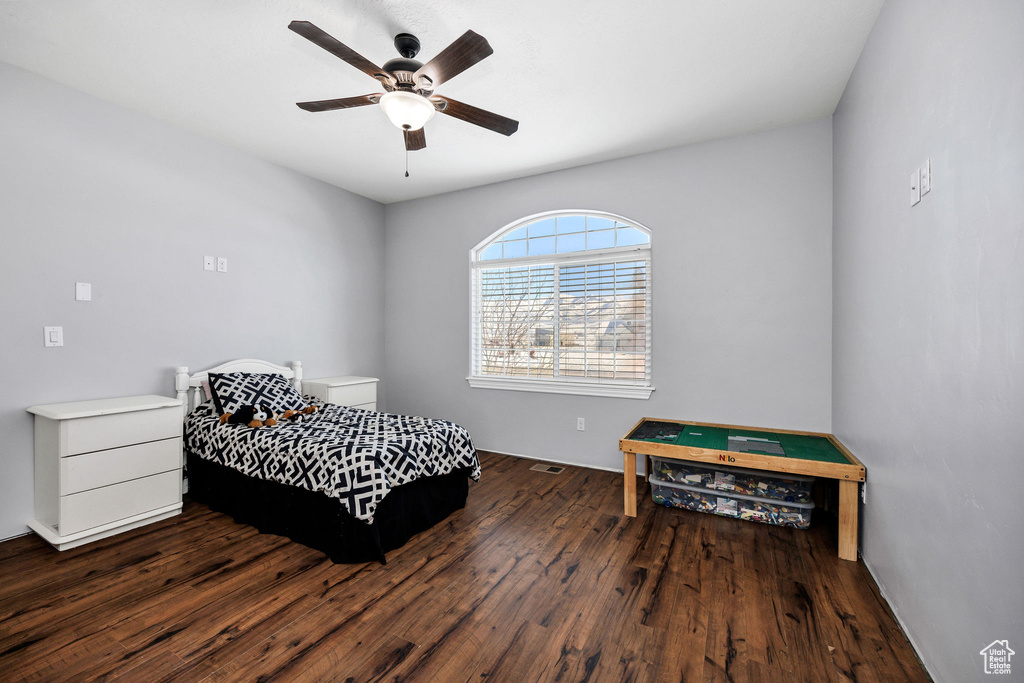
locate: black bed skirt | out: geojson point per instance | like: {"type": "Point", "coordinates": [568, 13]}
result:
{"type": "Point", "coordinates": [320, 522]}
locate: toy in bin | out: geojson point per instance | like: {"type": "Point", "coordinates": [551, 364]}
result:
{"type": "Point", "coordinates": [790, 488]}
{"type": "Point", "coordinates": [751, 508]}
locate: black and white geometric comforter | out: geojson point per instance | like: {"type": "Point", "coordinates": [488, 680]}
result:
{"type": "Point", "coordinates": [356, 456]}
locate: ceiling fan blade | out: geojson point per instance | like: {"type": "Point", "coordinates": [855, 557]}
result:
{"type": "Point", "coordinates": [415, 139]}
{"type": "Point", "coordinates": [475, 115]}
{"type": "Point", "coordinates": [456, 58]}
{"type": "Point", "coordinates": [317, 35]}
{"type": "Point", "coordinates": [342, 103]}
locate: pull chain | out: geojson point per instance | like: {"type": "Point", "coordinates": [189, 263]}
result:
{"type": "Point", "coordinates": [407, 163]}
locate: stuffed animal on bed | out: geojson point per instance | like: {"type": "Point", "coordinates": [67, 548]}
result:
{"type": "Point", "coordinates": [254, 416]}
{"type": "Point", "coordinates": [298, 414]}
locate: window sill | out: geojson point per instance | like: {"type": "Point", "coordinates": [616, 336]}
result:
{"type": "Point", "coordinates": [549, 387]}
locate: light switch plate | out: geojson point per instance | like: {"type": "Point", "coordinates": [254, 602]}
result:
{"type": "Point", "coordinates": [222, 264]}
{"type": "Point", "coordinates": [915, 187]}
{"type": "Point", "coordinates": [53, 336]}
{"type": "Point", "coordinates": [208, 263]}
{"type": "Point", "coordinates": [926, 177]}
{"type": "Point", "coordinates": [83, 291]}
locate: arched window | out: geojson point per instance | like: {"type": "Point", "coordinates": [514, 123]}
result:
{"type": "Point", "coordinates": [562, 303]}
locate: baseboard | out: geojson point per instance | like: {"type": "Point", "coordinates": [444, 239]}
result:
{"type": "Point", "coordinates": [11, 538]}
{"type": "Point", "coordinates": [896, 615]}
{"type": "Point", "coordinates": [565, 462]}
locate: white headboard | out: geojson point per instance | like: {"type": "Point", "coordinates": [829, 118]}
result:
{"type": "Point", "coordinates": [183, 381]}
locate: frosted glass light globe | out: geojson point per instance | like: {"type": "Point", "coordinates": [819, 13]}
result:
{"type": "Point", "coordinates": [407, 110]}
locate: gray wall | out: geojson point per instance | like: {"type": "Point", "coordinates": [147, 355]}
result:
{"type": "Point", "coordinates": [928, 374]}
{"type": "Point", "coordinates": [96, 193]}
{"type": "Point", "coordinates": [742, 293]}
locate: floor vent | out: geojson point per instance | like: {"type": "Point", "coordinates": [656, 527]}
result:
{"type": "Point", "coordinates": [550, 469]}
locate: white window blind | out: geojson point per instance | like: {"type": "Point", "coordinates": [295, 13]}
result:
{"type": "Point", "coordinates": [579, 318]}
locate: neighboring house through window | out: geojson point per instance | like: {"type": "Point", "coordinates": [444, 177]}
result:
{"type": "Point", "coordinates": [562, 303]}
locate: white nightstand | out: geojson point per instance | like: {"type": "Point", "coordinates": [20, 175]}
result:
{"type": "Point", "coordinates": [107, 466]}
{"type": "Point", "coordinates": [357, 392]}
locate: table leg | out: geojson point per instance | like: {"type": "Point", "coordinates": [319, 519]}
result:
{"type": "Point", "coordinates": [848, 513]}
{"type": "Point", "coordinates": [629, 483]}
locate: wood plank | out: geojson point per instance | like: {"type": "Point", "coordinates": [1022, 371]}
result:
{"type": "Point", "coordinates": [682, 620]}
{"type": "Point", "coordinates": [726, 649]}
{"type": "Point", "coordinates": [849, 512]}
{"type": "Point", "coordinates": [87, 606]}
{"type": "Point", "coordinates": [540, 578]}
{"type": "Point", "coordinates": [377, 664]}
{"type": "Point", "coordinates": [755, 461]}
{"type": "Point", "coordinates": [629, 482]}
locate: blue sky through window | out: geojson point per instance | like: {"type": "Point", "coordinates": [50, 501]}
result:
{"type": "Point", "coordinates": [563, 235]}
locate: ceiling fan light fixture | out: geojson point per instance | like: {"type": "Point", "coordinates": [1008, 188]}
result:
{"type": "Point", "coordinates": [407, 110]}
{"type": "Point", "coordinates": [409, 102]}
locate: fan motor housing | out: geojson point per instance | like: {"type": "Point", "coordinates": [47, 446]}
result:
{"type": "Point", "coordinates": [407, 45]}
{"type": "Point", "coordinates": [402, 69]}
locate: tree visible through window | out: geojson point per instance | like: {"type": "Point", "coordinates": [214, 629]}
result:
{"type": "Point", "coordinates": [563, 298]}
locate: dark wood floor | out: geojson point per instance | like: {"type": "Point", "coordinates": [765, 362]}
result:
{"type": "Point", "coordinates": [540, 578]}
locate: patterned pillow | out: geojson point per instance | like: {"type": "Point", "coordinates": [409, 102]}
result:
{"type": "Point", "coordinates": [234, 390]}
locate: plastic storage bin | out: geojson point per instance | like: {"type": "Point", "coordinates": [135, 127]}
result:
{"type": "Point", "coordinates": [753, 508]}
{"type": "Point", "coordinates": [789, 488]}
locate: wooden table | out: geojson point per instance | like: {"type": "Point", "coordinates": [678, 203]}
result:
{"type": "Point", "coordinates": [808, 453]}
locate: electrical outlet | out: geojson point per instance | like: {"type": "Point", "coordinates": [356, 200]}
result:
{"type": "Point", "coordinates": [222, 264]}
{"type": "Point", "coordinates": [209, 263]}
{"type": "Point", "coordinates": [580, 424]}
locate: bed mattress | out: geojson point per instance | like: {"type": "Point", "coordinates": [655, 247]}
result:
{"type": "Point", "coordinates": [354, 456]}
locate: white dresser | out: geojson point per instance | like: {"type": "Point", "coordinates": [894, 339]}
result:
{"type": "Point", "coordinates": [357, 392]}
{"type": "Point", "coordinates": [106, 466]}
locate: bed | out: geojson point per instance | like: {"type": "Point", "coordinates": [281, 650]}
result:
{"type": "Point", "coordinates": [351, 483]}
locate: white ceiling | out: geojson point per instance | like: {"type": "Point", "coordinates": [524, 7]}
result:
{"type": "Point", "coordinates": [589, 80]}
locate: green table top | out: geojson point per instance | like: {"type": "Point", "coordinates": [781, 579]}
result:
{"type": "Point", "coordinates": [799, 446]}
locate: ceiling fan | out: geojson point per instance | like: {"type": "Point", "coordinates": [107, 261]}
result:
{"type": "Point", "coordinates": [409, 100]}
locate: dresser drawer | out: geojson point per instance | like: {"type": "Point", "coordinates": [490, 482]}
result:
{"type": "Point", "coordinates": [102, 468]}
{"type": "Point", "coordinates": [96, 507]}
{"type": "Point", "coordinates": [347, 390]}
{"type": "Point", "coordinates": [352, 394]}
{"type": "Point", "coordinates": [100, 432]}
